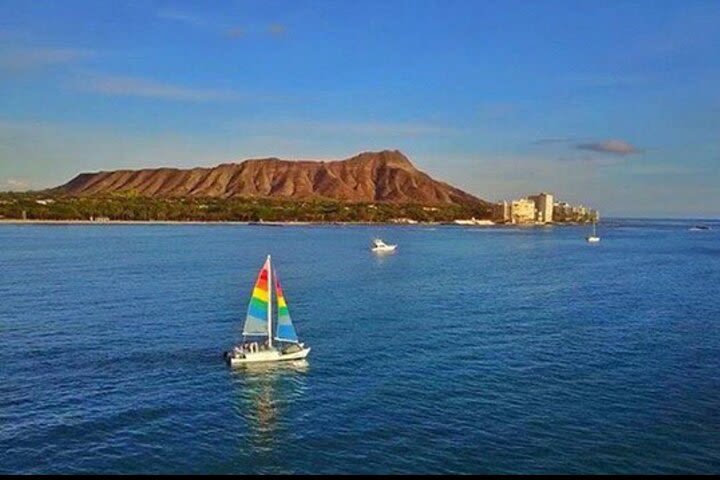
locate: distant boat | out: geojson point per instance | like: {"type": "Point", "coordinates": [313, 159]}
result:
{"type": "Point", "coordinates": [593, 238]}
{"type": "Point", "coordinates": [262, 223]}
{"type": "Point", "coordinates": [698, 228]}
{"type": "Point", "coordinates": [379, 246]}
{"type": "Point", "coordinates": [257, 345]}
{"type": "Point", "coordinates": [473, 221]}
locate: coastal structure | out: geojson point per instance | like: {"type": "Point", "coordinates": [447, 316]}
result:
{"type": "Point", "coordinates": [522, 211]}
{"type": "Point", "coordinates": [473, 221]}
{"type": "Point", "coordinates": [501, 212]}
{"type": "Point", "coordinates": [541, 209]}
{"type": "Point", "coordinates": [405, 220]}
{"type": "Point", "coordinates": [564, 212]}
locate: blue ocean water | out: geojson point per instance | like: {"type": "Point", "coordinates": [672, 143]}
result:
{"type": "Point", "coordinates": [480, 350]}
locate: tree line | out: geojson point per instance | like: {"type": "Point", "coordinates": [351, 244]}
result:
{"type": "Point", "coordinates": [129, 206]}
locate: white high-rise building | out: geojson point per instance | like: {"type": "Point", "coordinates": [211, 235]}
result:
{"type": "Point", "coordinates": [543, 207]}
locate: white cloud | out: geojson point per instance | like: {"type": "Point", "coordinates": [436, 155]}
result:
{"type": "Point", "coordinates": [612, 146]}
{"type": "Point", "coordinates": [595, 160]}
{"type": "Point", "coordinates": [13, 184]}
{"type": "Point", "coordinates": [182, 17]}
{"type": "Point", "coordinates": [140, 87]}
{"type": "Point", "coordinates": [235, 32]}
{"type": "Point", "coordinates": [33, 58]}
{"type": "Point", "coordinates": [552, 140]}
{"type": "Point", "coordinates": [604, 80]}
{"type": "Point", "coordinates": [46, 154]}
{"type": "Point", "coordinates": [219, 24]}
{"type": "Point", "coordinates": [369, 128]}
{"type": "Point", "coordinates": [277, 29]}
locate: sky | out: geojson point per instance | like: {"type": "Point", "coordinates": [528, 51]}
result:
{"type": "Point", "coordinates": [614, 105]}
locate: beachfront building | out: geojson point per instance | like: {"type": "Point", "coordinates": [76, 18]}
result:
{"type": "Point", "coordinates": [501, 212]}
{"type": "Point", "coordinates": [543, 207]}
{"type": "Point", "coordinates": [518, 211]}
{"type": "Point", "coordinates": [522, 211]}
{"type": "Point", "coordinates": [579, 213]}
{"type": "Point", "coordinates": [562, 212]}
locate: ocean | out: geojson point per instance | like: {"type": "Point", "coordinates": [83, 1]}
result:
{"type": "Point", "coordinates": [469, 350]}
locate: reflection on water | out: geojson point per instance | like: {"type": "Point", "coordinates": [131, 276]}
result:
{"type": "Point", "coordinates": [265, 392]}
{"type": "Point", "coordinates": [382, 257]}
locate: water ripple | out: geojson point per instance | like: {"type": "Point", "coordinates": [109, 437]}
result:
{"type": "Point", "coordinates": [469, 351]}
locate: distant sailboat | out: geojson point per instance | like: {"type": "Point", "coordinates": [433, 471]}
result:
{"type": "Point", "coordinates": [258, 338]}
{"type": "Point", "coordinates": [593, 238]}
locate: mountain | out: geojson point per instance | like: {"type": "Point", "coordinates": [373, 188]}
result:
{"type": "Point", "coordinates": [386, 176]}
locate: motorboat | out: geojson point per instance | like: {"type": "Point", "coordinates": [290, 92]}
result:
{"type": "Point", "coordinates": [379, 246]}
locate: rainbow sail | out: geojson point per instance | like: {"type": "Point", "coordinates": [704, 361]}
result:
{"type": "Point", "coordinates": [256, 322]}
{"type": "Point", "coordinates": [285, 329]}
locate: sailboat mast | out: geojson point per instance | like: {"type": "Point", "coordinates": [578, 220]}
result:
{"type": "Point", "coordinates": [269, 313]}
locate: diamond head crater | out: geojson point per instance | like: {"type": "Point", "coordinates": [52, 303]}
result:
{"type": "Point", "coordinates": [368, 187]}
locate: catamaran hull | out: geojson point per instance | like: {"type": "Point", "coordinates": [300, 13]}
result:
{"type": "Point", "coordinates": [268, 356]}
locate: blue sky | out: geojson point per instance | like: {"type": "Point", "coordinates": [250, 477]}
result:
{"type": "Point", "coordinates": [612, 104]}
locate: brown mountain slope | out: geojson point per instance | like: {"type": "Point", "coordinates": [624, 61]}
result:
{"type": "Point", "coordinates": [386, 176]}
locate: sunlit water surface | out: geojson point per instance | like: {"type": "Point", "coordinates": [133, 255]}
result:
{"type": "Point", "coordinates": [469, 350]}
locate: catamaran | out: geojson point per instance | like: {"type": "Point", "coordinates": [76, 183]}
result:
{"type": "Point", "coordinates": [593, 238]}
{"type": "Point", "coordinates": [257, 345]}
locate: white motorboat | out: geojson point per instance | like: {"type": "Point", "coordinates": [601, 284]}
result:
{"type": "Point", "coordinates": [379, 246]}
{"type": "Point", "coordinates": [258, 345]}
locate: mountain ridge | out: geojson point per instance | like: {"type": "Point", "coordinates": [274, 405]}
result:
{"type": "Point", "coordinates": [384, 176]}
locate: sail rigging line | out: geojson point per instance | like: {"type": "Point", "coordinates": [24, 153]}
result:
{"type": "Point", "coordinates": [269, 306]}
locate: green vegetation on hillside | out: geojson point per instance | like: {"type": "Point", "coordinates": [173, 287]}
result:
{"type": "Point", "coordinates": [48, 206]}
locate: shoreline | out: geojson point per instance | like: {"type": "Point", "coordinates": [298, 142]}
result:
{"type": "Point", "coordinates": [9, 221]}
